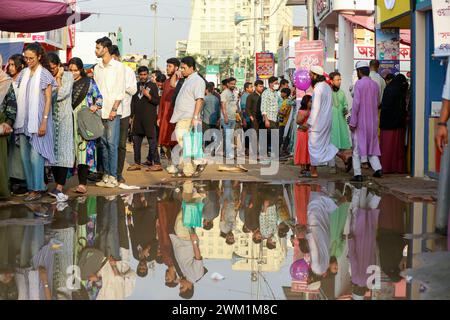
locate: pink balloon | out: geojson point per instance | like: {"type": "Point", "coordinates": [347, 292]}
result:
{"type": "Point", "coordinates": [299, 270]}
{"type": "Point", "coordinates": [302, 80]}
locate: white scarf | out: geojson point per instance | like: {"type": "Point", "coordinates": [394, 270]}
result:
{"type": "Point", "coordinates": [33, 103]}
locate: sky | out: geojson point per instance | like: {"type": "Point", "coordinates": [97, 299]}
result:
{"type": "Point", "coordinates": [135, 18]}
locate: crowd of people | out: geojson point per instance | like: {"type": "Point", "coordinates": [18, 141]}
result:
{"type": "Point", "coordinates": [117, 240]}
{"type": "Point", "coordinates": [58, 121]}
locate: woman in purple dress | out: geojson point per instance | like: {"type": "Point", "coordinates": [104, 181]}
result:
{"type": "Point", "coordinates": [34, 124]}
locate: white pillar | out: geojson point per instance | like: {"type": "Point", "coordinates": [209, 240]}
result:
{"type": "Point", "coordinates": [330, 48]}
{"type": "Point", "coordinates": [419, 66]}
{"type": "Point", "coordinates": [346, 56]}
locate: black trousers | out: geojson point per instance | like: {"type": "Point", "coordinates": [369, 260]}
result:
{"type": "Point", "coordinates": [153, 154]}
{"type": "Point", "coordinates": [83, 172]}
{"type": "Point", "coordinates": [60, 175]}
{"type": "Point", "coordinates": [124, 124]}
{"type": "Point", "coordinates": [99, 154]}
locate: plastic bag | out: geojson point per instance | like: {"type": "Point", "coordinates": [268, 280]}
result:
{"type": "Point", "coordinates": [193, 144]}
{"type": "Point", "coordinates": [192, 214]}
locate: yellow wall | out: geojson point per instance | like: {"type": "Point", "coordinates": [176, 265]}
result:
{"type": "Point", "coordinates": [383, 14]}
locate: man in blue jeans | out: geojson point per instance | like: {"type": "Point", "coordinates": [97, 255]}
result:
{"type": "Point", "coordinates": [109, 75]}
{"type": "Point", "coordinates": [229, 109]}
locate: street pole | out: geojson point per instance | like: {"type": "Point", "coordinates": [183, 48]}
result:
{"type": "Point", "coordinates": [310, 20]}
{"type": "Point", "coordinates": [154, 8]}
{"type": "Point", "coordinates": [263, 28]}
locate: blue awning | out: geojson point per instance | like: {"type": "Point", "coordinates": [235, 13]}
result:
{"type": "Point", "coordinates": [10, 48]}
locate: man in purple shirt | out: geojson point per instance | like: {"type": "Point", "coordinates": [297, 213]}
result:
{"type": "Point", "coordinates": [364, 122]}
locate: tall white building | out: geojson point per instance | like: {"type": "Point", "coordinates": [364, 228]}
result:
{"type": "Point", "coordinates": [213, 31]}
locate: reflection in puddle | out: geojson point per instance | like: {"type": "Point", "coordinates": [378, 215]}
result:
{"type": "Point", "coordinates": [223, 240]}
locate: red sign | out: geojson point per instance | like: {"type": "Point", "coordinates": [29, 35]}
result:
{"type": "Point", "coordinates": [38, 37]}
{"type": "Point", "coordinates": [265, 65]}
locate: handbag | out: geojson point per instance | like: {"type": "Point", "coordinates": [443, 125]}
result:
{"type": "Point", "coordinates": [192, 214]}
{"type": "Point", "coordinates": [193, 144]}
{"type": "Point", "coordinates": [90, 125]}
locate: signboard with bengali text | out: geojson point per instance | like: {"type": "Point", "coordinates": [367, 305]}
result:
{"type": "Point", "coordinates": [265, 65]}
{"type": "Point", "coordinates": [441, 23]}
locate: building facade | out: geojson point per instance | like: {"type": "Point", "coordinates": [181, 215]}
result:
{"type": "Point", "coordinates": [213, 31]}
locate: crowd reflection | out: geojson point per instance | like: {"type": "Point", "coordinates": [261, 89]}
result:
{"type": "Point", "coordinates": [337, 241]}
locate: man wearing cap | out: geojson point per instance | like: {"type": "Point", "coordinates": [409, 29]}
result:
{"type": "Point", "coordinates": [364, 122]}
{"type": "Point", "coordinates": [321, 150]}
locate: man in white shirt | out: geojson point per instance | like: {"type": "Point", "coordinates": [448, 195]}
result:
{"type": "Point", "coordinates": [124, 112]}
{"type": "Point", "coordinates": [228, 116]}
{"type": "Point", "coordinates": [375, 76]}
{"type": "Point", "coordinates": [109, 75]}
{"type": "Point", "coordinates": [188, 107]}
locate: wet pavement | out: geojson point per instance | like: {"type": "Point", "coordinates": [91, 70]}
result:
{"type": "Point", "coordinates": [226, 240]}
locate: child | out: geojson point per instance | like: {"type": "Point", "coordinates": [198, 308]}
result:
{"type": "Point", "coordinates": [284, 113]}
{"type": "Point", "coordinates": [301, 148]}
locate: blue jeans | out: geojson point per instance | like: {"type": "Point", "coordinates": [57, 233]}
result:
{"type": "Point", "coordinates": [229, 134]}
{"type": "Point", "coordinates": [110, 146]}
{"type": "Point", "coordinates": [33, 165]}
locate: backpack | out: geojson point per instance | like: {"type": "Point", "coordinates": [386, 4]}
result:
{"type": "Point", "coordinates": [90, 125]}
{"type": "Point", "coordinates": [90, 262]}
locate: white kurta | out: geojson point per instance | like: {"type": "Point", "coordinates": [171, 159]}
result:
{"type": "Point", "coordinates": [319, 209]}
{"type": "Point", "coordinates": [321, 150]}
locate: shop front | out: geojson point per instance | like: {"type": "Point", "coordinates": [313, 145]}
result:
{"type": "Point", "coordinates": [429, 67]}
{"type": "Point", "coordinates": [340, 14]}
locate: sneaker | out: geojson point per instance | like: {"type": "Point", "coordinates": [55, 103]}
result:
{"type": "Point", "coordinates": [104, 181]}
{"type": "Point", "coordinates": [61, 197]}
{"type": "Point", "coordinates": [172, 169]}
{"type": "Point", "coordinates": [121, 179]}
{"type": "Point", "coordinates": [112, 183]}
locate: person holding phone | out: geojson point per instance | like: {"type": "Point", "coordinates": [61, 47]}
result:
{"type": "Point", "coordinates": [144, 115]}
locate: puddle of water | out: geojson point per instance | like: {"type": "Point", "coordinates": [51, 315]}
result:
{"type": "Point", "coordinates": [225, 240]}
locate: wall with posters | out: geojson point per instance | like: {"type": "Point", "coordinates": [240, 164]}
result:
{"type": "Point", "coordinates": [388, 50]}
{"type": "Point", "coordinates": [265, 65]}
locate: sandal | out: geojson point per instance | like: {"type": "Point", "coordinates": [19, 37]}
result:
{"type": "Point", "coordinates": [147, 164]}
{"type": "Point", "coordinates": [80, 190]}
{"type": "Point", "coordinates": [33, 196]}
{"type": "Point", "coordinates": [134, 167]}
{"type": "Point", "coordinates": [155, 168]}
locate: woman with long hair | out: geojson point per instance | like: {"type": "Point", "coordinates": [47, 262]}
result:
{"type": "Point", "coordinates": [85, 94]}
{"type": "Point", "coordinates": [16, 63]}
{"type": "Point", "coordinates": [393, 126]}
{"type": "Point", "coordinates": [62, 126]}
{"type": "Point", "coordinates": [8, 108]}
{"type": "Point", "coordinates": [34, 122]}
